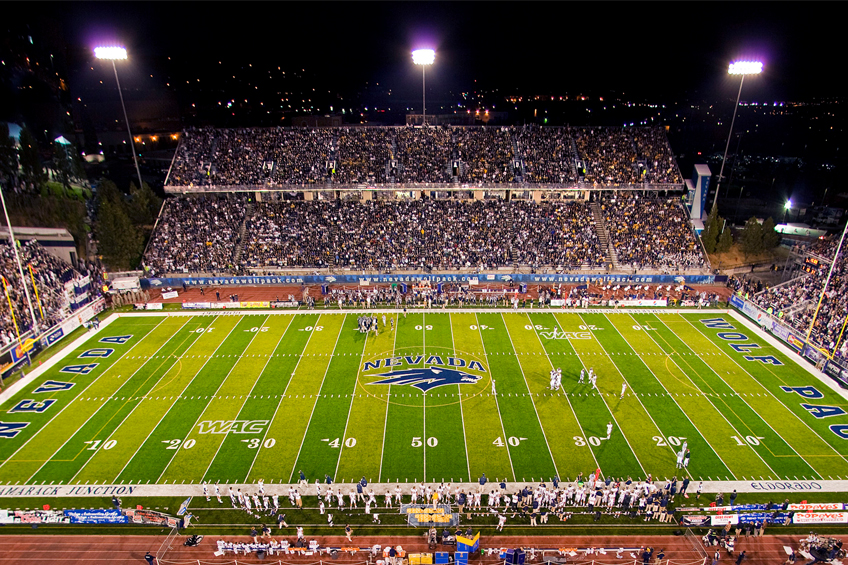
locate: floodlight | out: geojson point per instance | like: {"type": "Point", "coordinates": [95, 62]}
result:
{"type": "Point", "coordinates": [745, 68]}
{"type": "Point", "coordinates": [111, 53]}
{"type": "Point", "coordinates": [423, 56]}
{"type": "Point", "coordinates": [788, 204]}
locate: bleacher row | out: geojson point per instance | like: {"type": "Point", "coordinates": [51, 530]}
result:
{"type": "Point", "coordinates": [795, 302]}
{"type": "Point", "coordinates": [377, 155]}
{"type": "Point", "coordinates": [228, 234]}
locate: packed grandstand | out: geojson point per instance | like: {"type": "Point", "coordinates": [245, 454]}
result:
{"type": "Point", "coordinates": [588, 156]}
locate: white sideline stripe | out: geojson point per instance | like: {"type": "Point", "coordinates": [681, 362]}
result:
{"type": "Point", "coordinates": [633, 451]}
{"type": "Point", "coordinates": [576, 419]}
{"type": "Point", "coordinates": [533, 402]}
{"type": "Point", "coordinates": [162, 419]}
{"type": "Point", "coordinates": [63, 354]}
{"type": "Point", "coordinates": [497, 404]}
{"type": "Point", "coordinates": [726, 466]}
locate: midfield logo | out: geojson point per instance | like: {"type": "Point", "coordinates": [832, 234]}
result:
{"type": "Point", "coordinates": [426, 379]}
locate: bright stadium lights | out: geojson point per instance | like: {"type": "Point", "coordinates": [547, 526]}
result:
{"type": "Point", "coordinates": [745, 68]}
{"type": "Point", "coordinates": [423, 57]}
{"type": "Point", "coordinates": [740, 68]}
{"type": "Point", "coordinates": [788, 204]}
{"type": "Point", "coordinates": [112, 54]}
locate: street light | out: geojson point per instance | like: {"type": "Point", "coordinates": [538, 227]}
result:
{"type": "Point", "coordinates": [786, 208]}
{"type": "Point", "coordinates": [738, 68]}
{"type": "Point", "coordinates": [423, 57]}
{"type": "Point", "coordinates": [112, 54]}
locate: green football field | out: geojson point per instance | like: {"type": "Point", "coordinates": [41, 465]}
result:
{"type": "Point", "coordinates": [238, 397]}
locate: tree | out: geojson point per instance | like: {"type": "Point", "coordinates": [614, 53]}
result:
{"type": "Point", "coordinates": [62, 166]}
{"type": "Point", "coordinates": [752, 237]}
{"type": "Point", "coordinates": [770, 237]}
{"type": "Point", "coordinates": [725, 241]}
{"type": "Point", "coordinates": [144, 205]}
{"type": "Point", "coordinates": [30, 159]}
{"type": "Point", "coordinates": [118, 240]}
{"type": "Point", "coordinates": [8, 155]}
{"type": "Point", "coordinates": [712, 225]}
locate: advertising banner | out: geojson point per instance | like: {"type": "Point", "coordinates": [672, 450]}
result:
{"type": "Point", "coordinates": [285, 304]}
{"type": "Point", "coordinates": [112, 516]}
{"type": "Point", "coordinates": [820, 518]}
{"type": "Point", "coordinates": [640, 302]}
{"type": "Point", "coordinates": [150, 517]}
{"type": "Point", "coordinates": [716, 520]}
{"type": "Point", "coordinates": [172, 294]}
{"type": "Point", "coordinates": [737, 301]}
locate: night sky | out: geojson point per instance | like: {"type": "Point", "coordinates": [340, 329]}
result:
{"type": "Point", "coordinates": [653, 49]}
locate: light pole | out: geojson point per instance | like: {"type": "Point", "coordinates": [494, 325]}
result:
{"type": "Point", "coordinates": [786, 208]}
{"type": "Point", "coordinates": [738, 68]}
{"type": "Point", "coordinates": [423, 57]}
{"type": "Point", "coordinates": [111, 54]}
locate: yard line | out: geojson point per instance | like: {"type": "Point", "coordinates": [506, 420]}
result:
{"type": "Point", "coordinates": [291, 378]}
{"type": "Point", "coordinates": [529, 390]}
{"type": "Point", "coordinates": [388, 403]}
{"type": "Point", "coordinates": [318, 397]}
{"type": "Point", "coordinates": [247, 397]}
{"type": "Point", "coordinates": [171, 460]}
{"type": "Point", "coordinates": [576, 419]}
{"type": "Point", "coordinates": [139, 403]}
{"type": "Point", "coordinates": [503, 430]}
{"type": "Point", "coordinates": [97, 411]}
{"type": "Point", "coordinates": [162, 419]}
{"type": "Point", "coordinates": [713, 390]}
{"type": "Point", "coordinates": [629, 386]}
{"type": "Point", "coordinates": [669, 394]}
{"type": "Point", "coordinates": [424, 393]}
{"type": "Point", "coordinates": [580, 358]}
{"type": "Point", "coordinates": [46, 425]}
{"type": "Point", "coordinates": [461, 413]}
{"type": "Point", "coordinates": [770, 394]}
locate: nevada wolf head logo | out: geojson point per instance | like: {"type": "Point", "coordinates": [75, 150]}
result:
{"type": "Point", "coordinates": [425, 379]}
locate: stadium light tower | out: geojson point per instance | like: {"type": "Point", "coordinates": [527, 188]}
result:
{"type": "Point", "coordinates": [423, 57]}
{"type": "Point", "coordinates": [112, 54]}
{"type": "Point", "coordinates": [738, 68]}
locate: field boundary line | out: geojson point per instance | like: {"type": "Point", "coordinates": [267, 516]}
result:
{"type": "Point", "coordinates": [770, 393]}
{"type": "Point", "coordinates": [211, 355]}
{"type": "Point", "coordinates": [601, 395]}
{"type": "Point", "coordinates": [642, 360]}
{"type": "Point", "coordinates": [533, 402]}
{"type": "Point", "coordinates": [716, 408]}
{"type": "Point", "coordinates": [99, 408]}
{"type": "Point", "coordinates": [674, 350]}
{"type": "Point", "coordinates": [282, 396]}
{"type": "Point", "coordinates": [247, 397]}
{"type": "Point", "coordinates": [139, 403]}
{"type": "Point", "coordinates": [388, 404]}
{"type": "Point", "coordinates": [497, 404]}
{"type": "Point", "coordinates": [211, 398]}
{"type": "Point", "coordinates": [318, 396]}
{"type": "Point", "coordinates": [65, 354]}
{"type": "Point", "coordinates": [576, 419]}
{"type": "Point", "coordinates": [461, 412]}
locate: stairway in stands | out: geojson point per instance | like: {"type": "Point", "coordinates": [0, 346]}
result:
{"type": "Point", "coordinates": [603, 235]}
{"type": "Point", "coordinates": [248, 213]}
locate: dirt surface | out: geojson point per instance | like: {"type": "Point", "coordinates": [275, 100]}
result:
{"type": "Point", "coordinates": [49, 550]}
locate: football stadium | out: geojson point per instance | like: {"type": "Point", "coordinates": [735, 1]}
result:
{"type": "Point", "coordinates": [418, 344]}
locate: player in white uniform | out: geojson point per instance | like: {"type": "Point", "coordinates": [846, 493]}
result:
{"type": "Point", "coordinates": [494, 392]}
{"type": "Point", "coordinates": [623, 390]}
{"type": "Point", "coordinates": [609, 429]}
{"type": "Point", "coordinates": [582, 372]}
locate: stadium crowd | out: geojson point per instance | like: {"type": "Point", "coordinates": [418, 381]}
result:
{"type": "Point", "coordinates": [198, 235]}
{"type": "Point", "coordinates": [651, 233]}
{"type": "Point", "coordinates": [51, 274]}
{"type": "Point", "coordinates": [354, 155]}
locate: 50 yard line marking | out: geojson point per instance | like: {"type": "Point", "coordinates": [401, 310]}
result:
{"type": "Point", "coordinates": [282, 396]}
{"type": "Point", "coordinates": [576, 419]}
{"type": "Point", "coordinates": [388, 404]}
{"type": "Point", "coordinates": [773, 396]}
{"type": "Point", "coordinates": [246, 398]}
{"type": "Point", "coordinates": [70, 402]}
{"type": "Point", "coordinates": [162, 419]}
{"type": "Point", "coordinates": [461, 412]}
{"type": "Point", "coordinates": [669, 394]}
{"type": "Point", "coordinates": [318, 397]}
